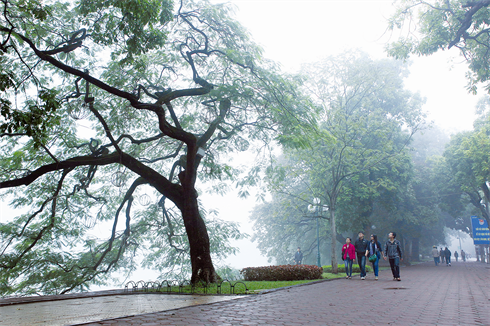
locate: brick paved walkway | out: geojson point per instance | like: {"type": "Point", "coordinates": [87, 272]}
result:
{"type": "Point", "coordinates": [427, 295]}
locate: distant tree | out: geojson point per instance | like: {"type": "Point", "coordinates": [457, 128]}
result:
{"type": "Point", "coordinates": [366, 118]}
{"type": "Point", "coordinates": [284, 223]}
{"type": "Point", "coordinates": [163, 92]}
{"type": "Point", "coordinates": [468, 160]}
{"type": "Point", "coordinates": [405, 198]}
{"type": "Point", "coordinates": [430, 26]}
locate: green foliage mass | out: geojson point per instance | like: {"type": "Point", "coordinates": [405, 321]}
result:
{"type": "Point", "coordinates": [103, 107]}
{"type": "Point", "coordinates": [465, 169]}
{"type": "Point", "coordinates": [359, 163]}
{"type": "Point", "coordinates": [429, 26]}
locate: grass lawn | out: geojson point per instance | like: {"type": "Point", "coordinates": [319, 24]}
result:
{"type": "Point", "coordinates": [235, 287]}
{"type": "Point", "coordinates": [248, 287]}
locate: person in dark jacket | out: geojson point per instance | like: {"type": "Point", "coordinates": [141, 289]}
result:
{"type": "Point", "coordinates": [456, 255]}
{"type": "Point", "coordinates": [447, 254]}
{"type": "Point", "coordinates": [393, 251]}
{"type": "Point", "coordinates": [348, 255]}
{"type": "Point", "coordinates": [442, 255]}
{"type": "Point", "coordinates": [361, 246]}
{"type": "Point", "coordinates": [298, 257]}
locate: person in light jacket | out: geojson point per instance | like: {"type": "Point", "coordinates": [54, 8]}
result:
{"type": "Point", "coordinates": [393, 251]}
{"type": "Point", "coordinates": [435, 254]}
{"type": "Point", "coordinates": [348, 255]}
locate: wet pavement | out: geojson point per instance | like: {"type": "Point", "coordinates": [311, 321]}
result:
{"type": "Point", "coordinates": [91, 309]}
{"type": "Point", "coordinates": [427, 295]}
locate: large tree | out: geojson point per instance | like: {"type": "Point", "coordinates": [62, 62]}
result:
{"type": "Point", "coordinates": [467, 157]}
{"type": "Point", "coordinates": [429, 26]}
{"type": "Point", "coordinates": [163, 91]}
{"type": "Point", "coordinates": [366, 118]}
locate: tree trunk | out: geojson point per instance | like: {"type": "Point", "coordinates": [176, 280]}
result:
{"type": "Point", "coordinates": [407, 254]}
{"type": "Point", "coordinates": [415, 249]}
{"type": "Point", "coordinates": [482, 253]}
{"type": "Point", "coordinates": [202, 265]}
{"type": "Point", "coordinates": [333, 231]}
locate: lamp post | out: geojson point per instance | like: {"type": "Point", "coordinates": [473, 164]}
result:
{"type": "Point", "coordinates": [316, 208]}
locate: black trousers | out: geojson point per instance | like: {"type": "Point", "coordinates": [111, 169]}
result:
{"type": "Point", "coordinates": [395, 267]}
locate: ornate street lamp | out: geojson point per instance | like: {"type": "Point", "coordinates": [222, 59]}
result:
{"type": "Point", "coordinates": [144, 200]}
{"type": "Point", "coordinates": [78, 108]}
{"type": "Point", "coordinates": [315, 208]}
{"type": "Point", "coordinates": [118, 179]}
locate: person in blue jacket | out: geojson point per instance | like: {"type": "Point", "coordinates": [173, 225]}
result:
{"type": "Point", "coordinates": [375, 249]}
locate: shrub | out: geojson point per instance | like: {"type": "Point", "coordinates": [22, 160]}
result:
{"type": "Point", "coordinates": [355, 268]}
{"type": "Point", "coordinates": [282, 273]}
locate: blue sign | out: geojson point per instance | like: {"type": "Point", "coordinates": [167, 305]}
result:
{"type": "Point", "coordinates": [481, 233]}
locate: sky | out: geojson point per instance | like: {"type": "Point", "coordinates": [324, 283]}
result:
{"type": "Point", "coordinates": [301, 31]}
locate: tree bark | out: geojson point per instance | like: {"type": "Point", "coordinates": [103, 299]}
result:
{"type": "Point", "coordinates": [333, 231]}
{"type": "Point", "coordinates": [197, 234]}
{"type": "Point", "coordinates": [415, 249]}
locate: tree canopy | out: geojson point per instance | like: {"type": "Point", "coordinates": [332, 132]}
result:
{"type": "Point", "coordinates": [109, 111]}
{"type": "Point", "coordinates": [366, 122]}
{"type": "Point", "coordinates": [467, 159]}
{"type": "Point", "coordinates": [429, 26]}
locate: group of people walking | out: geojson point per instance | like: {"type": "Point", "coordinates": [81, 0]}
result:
{"type": "Point", "coordinates": [444, 255]}
{"type": "Point", "coordinates": [372, 250]}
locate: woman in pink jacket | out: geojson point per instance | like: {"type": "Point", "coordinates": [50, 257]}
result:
{"type": "Point", "coordinates": [348, 255]}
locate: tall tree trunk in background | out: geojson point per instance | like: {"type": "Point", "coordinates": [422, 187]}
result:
{"type": "Point", "coordinates": [333, 233]}
{"type": "Point", "coordinates": [415, 249]}
{"type": "Point", "coordinates": [482, 253]}
{"type": "Point", "coordinates": [406, 250]}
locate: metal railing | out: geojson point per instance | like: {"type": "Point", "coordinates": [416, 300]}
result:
{"type": "Point", "coordinates": [176, 286]}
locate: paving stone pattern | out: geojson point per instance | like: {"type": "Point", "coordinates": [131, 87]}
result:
{"type": "Point", "coordinates": [94, 308]}
{"type": "Point", "coordinates": [427, 295]}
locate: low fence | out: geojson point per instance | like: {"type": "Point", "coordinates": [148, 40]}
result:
{"type": "Point", "coordinates": [175, 286]}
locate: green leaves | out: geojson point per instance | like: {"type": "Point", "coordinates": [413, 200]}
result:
{"type": "Point", "coordinates": [137, 23]}
{"type": "Point", "coordinates": [36, 120]}
{"type": "Point", "coordinates": [427, 27]}
{"type": "Point", "coordinates": [97, 78]}
{"type": "Point", "coordinates": [355, 159]}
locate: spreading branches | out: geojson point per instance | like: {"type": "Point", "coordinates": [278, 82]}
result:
{"type": "Point", "coordinates": [73, 43]}
{"type": "Point", "coordinates": [171, 230]}
{"type": "Point", "coordinates": [467, 21]}
{"type": "Point", "coordinates": [35, 238]}
{"type": "Point", "coordinates": [147, 104]}
{"type": "Point", "coordinates": [460, 24]}
{"type": "Point", "coordinates": [128, 199]}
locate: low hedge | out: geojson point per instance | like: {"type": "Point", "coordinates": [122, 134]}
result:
{"type": "Point", "coordinates": [282, 273]}
{"type": "Point", "coordinates": [341, 269]}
